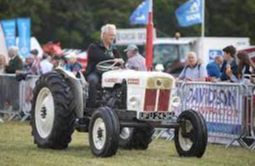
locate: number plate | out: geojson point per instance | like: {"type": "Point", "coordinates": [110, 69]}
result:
{"type": "Point", "coordinates": [156, 116]}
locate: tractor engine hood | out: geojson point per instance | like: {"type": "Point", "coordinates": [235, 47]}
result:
{"type": "Point", "coordinates": [140, 79]}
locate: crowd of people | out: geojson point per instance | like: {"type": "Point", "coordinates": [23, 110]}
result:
{"type": "Point", "coordinates": [35, 65]}
{"type": "Point", "coordinates": [232, 67]}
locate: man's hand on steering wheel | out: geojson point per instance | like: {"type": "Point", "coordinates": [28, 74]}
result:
{"type": "Point", "coordinates": [119, 60]}
{"type": "Point", "coordinates": [110, 64]}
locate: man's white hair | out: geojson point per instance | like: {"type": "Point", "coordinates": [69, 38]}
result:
{"type": "Point", "coordinates": [105, 28]}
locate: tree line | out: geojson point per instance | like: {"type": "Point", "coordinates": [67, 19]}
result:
{"type": "Point", "coordinates": [76, 23]}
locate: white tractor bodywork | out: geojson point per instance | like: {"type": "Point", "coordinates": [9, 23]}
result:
{"type": "Point", "coordinates": [148, 92]}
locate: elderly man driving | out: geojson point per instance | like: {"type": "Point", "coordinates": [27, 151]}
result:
{"type": "Point", "coordinates": [98, 52]}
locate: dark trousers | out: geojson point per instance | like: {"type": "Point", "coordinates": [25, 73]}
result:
{"type": "Point", "coordinates": [93, 80]}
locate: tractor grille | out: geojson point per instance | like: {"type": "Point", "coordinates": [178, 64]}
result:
{"type": "Point", "coordinates": [157, 95]}
{"type": "Point", "coordinates": [150, 100]}
{"type": "Point", "coordinates": [163, 101]}
{"type": "Point", "coordinates": [156, 100]}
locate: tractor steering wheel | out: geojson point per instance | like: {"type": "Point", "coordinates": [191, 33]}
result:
{"type": "Point", "coordinates": [107, 65]}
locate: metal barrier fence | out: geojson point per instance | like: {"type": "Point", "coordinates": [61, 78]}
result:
{"type": "Point", "coordinates": [227, 108]}
{"type": "Point", "coordinates": [26, 95]}
{"type": "Point", "coordinates": [220, 104]}
{"type": "Point", "coordinates": [16, 96]}
{"type": "Point", "coordinates": [9, 95]}
{"type": "Point", "coordinates": [248, 136]}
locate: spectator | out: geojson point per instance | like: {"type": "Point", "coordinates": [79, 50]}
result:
{"type": "Point", "coordinates": [245, 67]}
{"type": "Point", "coordinates": [15, 62]}
{"type": "Point", "coordinates": [35, 68]}
{"type": "Point", "coordinates": [73, 65]}
{"type": "Point", "coordinates": [45, 64]}
{"type": "Point", "coordinates": [2, 64]}
{"type": "Point", "coordinates": [213, 68]}
{"type": "Point", "coordinates": [194, 70]}
{"type": "Point", "coordinates": [135, 60]}
{"type": "Point", "coordinates": [177, 35]}
{"type": "Point", "coordinates": [55, 61]}
{"type": "Point", "coordinates": [28, 64]}
{"type": "Point", "coordinates": [97, 52]}
{"type": "Point", "coordinates": [229, 66]}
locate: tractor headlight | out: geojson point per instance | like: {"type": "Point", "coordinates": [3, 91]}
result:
{"type": "Point", "coordinates": [176, 101]}
{"type": "Point", "coordinates": [134, 102]}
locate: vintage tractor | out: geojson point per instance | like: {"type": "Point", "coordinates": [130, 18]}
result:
{"type": "Point", "coordinates": [131, 104]}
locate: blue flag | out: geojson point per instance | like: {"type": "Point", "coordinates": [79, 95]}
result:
{"type": "Point", "coordinates": [24, 25]}
{"type": "Point", "coordinates": [140, 15]}
{"type": "Point", "coordinates": [9, 29]}
{"type": "Point", "coordinates": [190, 13]}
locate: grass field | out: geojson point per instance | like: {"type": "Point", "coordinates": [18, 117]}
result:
{"type": "Point", "coordinates": [17, 148]}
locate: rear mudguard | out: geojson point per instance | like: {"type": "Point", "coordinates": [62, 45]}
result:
{"type": "Point", "coordinates": [77, 88]}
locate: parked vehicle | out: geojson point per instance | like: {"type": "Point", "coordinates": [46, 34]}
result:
{"type": "Point", "coordinates": [171, 52]}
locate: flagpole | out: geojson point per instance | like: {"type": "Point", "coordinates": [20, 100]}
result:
{"type": "Point", "coordinates": [149, 37]}
{"type": "Point", "coordinates": [201, 54]}
{"type": "Point", "coordinates": [203, 19]}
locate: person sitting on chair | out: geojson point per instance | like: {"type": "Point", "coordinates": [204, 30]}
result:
{"type": "Point", "coordinates": [98, 52]}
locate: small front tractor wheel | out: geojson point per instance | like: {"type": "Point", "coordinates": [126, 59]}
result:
{"type": "Point", "coordinates": [104, 131]}
{"type": "Point", "coordinates": [191, 135]}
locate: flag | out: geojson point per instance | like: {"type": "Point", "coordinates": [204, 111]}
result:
{"type": "Point", "coordinates": [3, 48]}
{"type": "Point", "coordinates": [190, 13]}
{"type": "Point", "coordinates": [140, 15]}
{"type": "Point", "coordinates": [24, 25]}
{"type": "Point", "coordinates": [9, 28]}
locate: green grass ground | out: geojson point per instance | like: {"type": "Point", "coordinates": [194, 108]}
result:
{"type": "Point", "coordinates": [17, 148]}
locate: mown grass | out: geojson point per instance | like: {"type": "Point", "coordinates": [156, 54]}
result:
{"type": "Point", "coordinates": [17, 148]}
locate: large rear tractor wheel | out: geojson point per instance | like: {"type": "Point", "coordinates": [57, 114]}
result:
{"type": "Point", "coordinates": [191, 135]}
{"type": "Point", "coordinates": [52, 112]}
{"type": "Point", "coordinates": [136, 138]}
{"type": "Point", "coordinates": [142, 137]}
{"type": "Point", "coordinates": [104, 131]}
{"type": "Point", "coordinates": [126, 137]}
